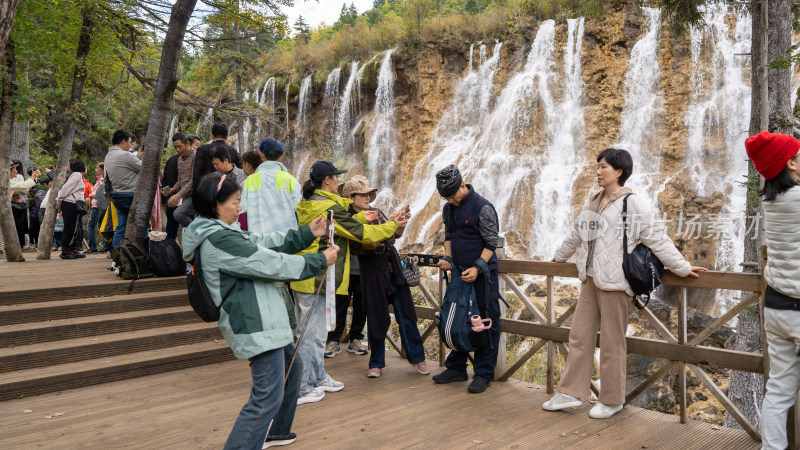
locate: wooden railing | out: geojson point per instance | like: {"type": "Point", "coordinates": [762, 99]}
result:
{"type": "Point", "coordinates": [676, 349]}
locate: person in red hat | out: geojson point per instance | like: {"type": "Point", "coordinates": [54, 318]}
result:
{"type": "Point", "coordinates": [776, 158]}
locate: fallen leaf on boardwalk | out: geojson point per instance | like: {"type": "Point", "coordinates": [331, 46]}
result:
{"type": "Point", "coordinates": [27, 411]}
{"type": "Point", "coordinates": [413, 387]}
{"type": "Point", "coordinates": [477, 442]}
{"type": "Point", "coordinates": [644, 446]}
{"type": "Point", "coordinates": [563, 434]}
{"type": "Point", "coordinates": [58, 414]}
{"type": "Point", "coordinates": [574, 432]}
{"type": "Point", "coordinates": [47, 417]}
{"type": "Point", "coordinates": [715, 427]}
{"type": "Point", "coordinates": [125, 362]}
{"type": "Point", "coordinates": [363, 429]}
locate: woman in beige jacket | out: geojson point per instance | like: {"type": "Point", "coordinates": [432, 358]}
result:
{"type": "Point", "coordinates": [596, 241]}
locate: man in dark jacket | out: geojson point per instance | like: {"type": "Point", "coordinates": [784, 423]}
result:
{"type": "Point", "coordinates": [471, 236]}
{"type": "Point", "coordinates": [202, 166]}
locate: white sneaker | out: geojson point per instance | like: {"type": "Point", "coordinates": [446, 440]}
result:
{"type": "Point", "coordinates": [312, 396]}
{"type": "Point", "coordinates": [561, 401]}
{"type": "Point", "coordinates": [330, 385]}
{"type": "Point", "coordinates": [601, 411]}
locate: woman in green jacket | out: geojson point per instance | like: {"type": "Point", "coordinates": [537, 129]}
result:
{"type": "Point", "coordinates": [320, 195]}
{"type": "Point", "coordinates": [250, 269]}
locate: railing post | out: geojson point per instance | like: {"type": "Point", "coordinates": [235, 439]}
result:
{"type": "Point", "coordinates": [500, 367]}
{"type": "Point", "coordinates": [682, 300]}
{"type": "Point", "coordinates": [551, 346]}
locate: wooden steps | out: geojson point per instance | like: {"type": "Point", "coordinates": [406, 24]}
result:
{"type": "Point", "coordinates": [56, 338]}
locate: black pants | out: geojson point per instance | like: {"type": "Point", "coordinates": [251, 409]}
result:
{"type": "Point", "coordinates": [485, 358]}
{"type": "Point", "coordinates": [33, 230]}
{"type": "Point", "coordinates": [359, 315]}
{"type": "Point", "coordinates": [68, 238]}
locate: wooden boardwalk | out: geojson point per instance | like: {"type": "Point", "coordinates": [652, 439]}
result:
{"type": "Point", "coordinates": [194, 408]}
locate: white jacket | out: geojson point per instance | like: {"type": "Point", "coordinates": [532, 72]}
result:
{"type": "Point", "coordinates": [783, 243]}
{"type": "Point", "coordinates": [607, 265]}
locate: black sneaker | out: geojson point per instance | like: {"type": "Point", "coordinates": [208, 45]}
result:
{"type": "Point", "coordinates": [276, 441]}
{"type": "Point", "coordinates": [479, 384]}
{"type": "Point", "coordinates": [450, 376]}
{"type": "Point", "coordinates": [66, 256]}
{"type": "Point", "coordinates": [77, 255]}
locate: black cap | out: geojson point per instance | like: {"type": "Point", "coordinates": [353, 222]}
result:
{"type": "Point", "coordinates": [448, 181]}
{"type": "Point", "coordinates": [322, 169]}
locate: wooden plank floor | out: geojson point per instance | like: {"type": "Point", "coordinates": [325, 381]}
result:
{"type": "Point", "coordinates": [195, 409]}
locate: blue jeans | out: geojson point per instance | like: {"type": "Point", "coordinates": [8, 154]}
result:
{"type": "Point", "coordinates": [272, 403]}
{"type": "Point", "coordinates": [91, 229]}
{"type": "Point", "coordinates": [409, 338]}
{"type": "Point", "coordinates": [485, 358]}
{"type": "Point", "coordinates": [312, 349]}
{"type": "Point", "coordinates": [172, 224]}
{"type": "Point", "coordinates": [122, 202]}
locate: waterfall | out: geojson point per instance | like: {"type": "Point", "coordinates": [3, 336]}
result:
{"type": "Point", "coordinates": [246, 127]}
{"type": "Point", "coordinates": [564, 157]}
{"type": "Point", "coordinates": [717, 121]}
{"type": "Point", "coordinates": [643, 105]}
{"type": "Point", "coordinates": [267, 101]}
{"type": "Point", "coordinates": [173, 127]}
{"type": "Point", "coordinates": [203, 130]}
{"type": "Point", "coordinates": [288, 89]}
{"type": "Point", "coordinates": [302, 110]}
{"type": "Point", "coordinates": [471, 50]}
{"type": "Point", "coordinates": [454, 134]}
{"type": "Point", "coordinates": [382, 137]}
{"type": "Point", "coordinates": [331, 99]}
{"type": "Point", "coordinates": [344, 114]}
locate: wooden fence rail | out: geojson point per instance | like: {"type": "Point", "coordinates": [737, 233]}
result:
{"type": "Point", "coordinates": [678, 351]}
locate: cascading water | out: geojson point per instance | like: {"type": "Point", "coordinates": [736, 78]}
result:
{"type": "Point", "coordinates": [564, 158]}
{"type": "Point", "coordinates": [643, 105]}
{"type": "Point", "coordinates": [246, 128]}
{"type": "Point", "coordinates": [203, 130]}
{"type": "Point", "coordinates": [267, 101]}
{"type": "Point", "coordinates": [345, 114]}
{"type": "Point", "coordinates": [382, 137]}
{"type": "Point", "coordinates": [455, 133]}
{"type": "Point", "coordinates": [300, 154]}
{"type": "Point", "coordinates": [173, 127]}
{"type": "Point", "coordinates": [331, 99]}
{"type": "Point", "coordinates": [717, 120]}
{"type": "Point", "coordinates": [288, 89]}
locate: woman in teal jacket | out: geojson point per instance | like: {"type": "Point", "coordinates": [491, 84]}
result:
{"type": "Point", "coordinates": [253, 317]}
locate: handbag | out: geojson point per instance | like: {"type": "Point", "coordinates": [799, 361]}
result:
{"type": "Point", "coordinates": [410, 271]}
{"type": "Point", "coordinates": [641, 267]}
{"type": "Point", "coordinates": [80, 208]}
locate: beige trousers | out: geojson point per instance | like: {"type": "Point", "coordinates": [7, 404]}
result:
{"type": "Point", "coordinates": [608, 312]}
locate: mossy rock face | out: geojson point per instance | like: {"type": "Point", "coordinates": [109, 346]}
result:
{"type": "Point", "coordinates": [369, 77]}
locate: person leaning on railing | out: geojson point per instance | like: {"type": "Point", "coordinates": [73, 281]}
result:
{"type": "Point", "coordinates": [605, 295]}
{"type": "Point", "coordinates": [244, 267]}
{"type": "Point", "coordinates": [777, 158]}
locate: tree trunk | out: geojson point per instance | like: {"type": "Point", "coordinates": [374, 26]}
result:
{"type": "Point", "coordinates": [8, 9]}
{"type": "Point", "coordinates": [770, 110]}
{"type": "Point", "coordinates": [240, 137]}
{"type": "Point", "coordinates": [166, 83]}
{"type": "Point", "coordinates": [68, 133]}
{"type": "Point", "coordinates": [781, 118]}
{"type": "Point", "coordinates": [13, 247]}
{"type": "Point", "coordinates": [19, 143]}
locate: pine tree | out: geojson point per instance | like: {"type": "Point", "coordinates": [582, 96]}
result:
{"type": "Point", "coordinates": [302, 29]}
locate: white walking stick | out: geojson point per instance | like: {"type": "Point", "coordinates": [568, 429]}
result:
{"type": "Point", "coordinates": [330, 281]}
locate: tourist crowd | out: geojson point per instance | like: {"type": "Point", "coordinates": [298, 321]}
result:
{"type": "Point", "coordinates": [265, 245]}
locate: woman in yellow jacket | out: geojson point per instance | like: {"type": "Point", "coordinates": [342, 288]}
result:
{"type": "Point", "coordinates": [319, 196]}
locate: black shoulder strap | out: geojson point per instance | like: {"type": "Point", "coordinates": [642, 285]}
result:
{"type": "Point", "coordinates": [625, 223]}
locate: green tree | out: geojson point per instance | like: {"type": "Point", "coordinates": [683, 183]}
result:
{"type": "Point", "coordinates": [302, 29]}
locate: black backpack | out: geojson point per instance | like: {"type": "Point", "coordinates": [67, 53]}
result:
{"type": "Point", "coordinates": [132, 261]}
{"type": "Point", "coordinates": [641, 267]}
{"type": "Point", "coordinates": [166, 258]}
{"type": "Point", "coordinates": [199, 297]}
